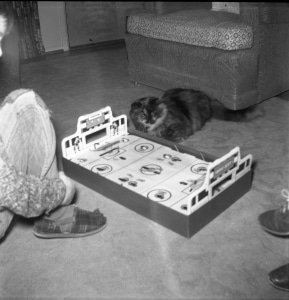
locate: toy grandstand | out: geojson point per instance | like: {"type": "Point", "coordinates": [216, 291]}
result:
{"type": "Point", "coordinates": [179, 188]}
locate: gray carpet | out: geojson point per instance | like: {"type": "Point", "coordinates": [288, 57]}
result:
{"type": "Point", "coordinates": [135, 258]}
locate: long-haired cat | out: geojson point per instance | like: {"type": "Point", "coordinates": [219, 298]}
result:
{"type": "Point", "coordinates": [6, 23]}
{"type": "Point", "coordinates": [179, 113]}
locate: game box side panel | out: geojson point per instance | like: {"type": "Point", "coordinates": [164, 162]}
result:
{"type": "Point", "coordinates": [220, 203]}
{"type": "Point", "coordinates": [161, 214]}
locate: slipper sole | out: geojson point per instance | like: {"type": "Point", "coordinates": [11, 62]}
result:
{"type": "Point", "coordinates": [274, 232]}
{"type": "Point", "coordinates": [68, 235]}
{"type": "Point", "coordinates": [278, 287]}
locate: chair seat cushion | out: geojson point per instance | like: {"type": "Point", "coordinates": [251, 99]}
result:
{"type": "Point", "coordinates": [204, 28]}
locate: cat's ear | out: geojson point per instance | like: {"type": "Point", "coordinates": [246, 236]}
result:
{"type": "Point", "coordinates": [136, 104]}
{"type": "Point", "coordinates": [152, 100]}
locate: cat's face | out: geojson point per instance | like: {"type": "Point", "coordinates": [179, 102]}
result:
{"type": "Point", "coordinates": [145, 113]}
{"type": "Point", "coordinates": [6, 24]}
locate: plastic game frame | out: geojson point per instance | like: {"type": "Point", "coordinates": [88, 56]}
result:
{"type": "Point", "coordinates": [185, 225]}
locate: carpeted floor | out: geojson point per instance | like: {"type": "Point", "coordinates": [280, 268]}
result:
{"type": "Point", "coordinates": [134, 258]}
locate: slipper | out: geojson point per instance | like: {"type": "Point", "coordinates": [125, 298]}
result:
{"type": "Point", "coordinates": [73, 223]}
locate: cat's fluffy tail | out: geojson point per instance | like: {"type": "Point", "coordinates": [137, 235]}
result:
{"type": "Point", "coordinates": [220, 112]}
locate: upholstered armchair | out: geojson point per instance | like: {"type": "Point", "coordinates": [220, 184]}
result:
{"type": "Point", "coordinates": [240, 57]}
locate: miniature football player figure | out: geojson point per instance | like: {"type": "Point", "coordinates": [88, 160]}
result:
{"type": "Point", "coordinates": [76, 143]}
{"type": "Point", "coordinates": [114, 128]}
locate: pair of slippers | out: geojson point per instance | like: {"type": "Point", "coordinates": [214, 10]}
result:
{"type": "Point", "coordinates": [70, 222]}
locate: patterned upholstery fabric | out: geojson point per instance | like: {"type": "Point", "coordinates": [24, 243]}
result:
{"type": "Point", "coordinates": [220, 30]}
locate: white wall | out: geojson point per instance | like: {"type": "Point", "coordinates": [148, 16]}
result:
{"type": "Point", "coordinates": [53, 25]}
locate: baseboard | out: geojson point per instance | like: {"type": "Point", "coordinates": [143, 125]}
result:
{"type": "Point", "coordinates": [96, 46]}
{"type": "Point", "coordinates": [76, 50]}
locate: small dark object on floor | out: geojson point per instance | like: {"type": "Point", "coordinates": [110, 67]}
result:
{"type": "Point", "coordinates": [276, 221]}
{"type": "Point", "coordinates": [279, 278]}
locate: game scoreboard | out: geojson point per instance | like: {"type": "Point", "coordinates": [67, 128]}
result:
{"type": "Point", "coordinates": [178, 187]}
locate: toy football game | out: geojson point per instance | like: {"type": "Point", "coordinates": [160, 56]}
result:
{"type": "Point", "coordinates": [177, 187]}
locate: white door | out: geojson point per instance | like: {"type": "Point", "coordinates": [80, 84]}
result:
{"type": "Point", "coordinates": [53, 25]}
